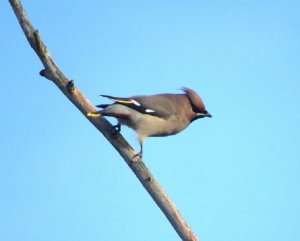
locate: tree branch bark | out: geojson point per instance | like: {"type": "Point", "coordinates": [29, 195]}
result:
{"type": "Point", "coordinates": [53, 73]}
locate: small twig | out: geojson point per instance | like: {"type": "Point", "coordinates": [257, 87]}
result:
{"type": "Point", "coordinates": [53, 73]}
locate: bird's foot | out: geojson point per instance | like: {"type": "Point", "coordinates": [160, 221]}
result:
{"type": "Point", "coordinates": [116, 129]}
{"type": "Point", "coordinates": [138, 156]}
{"type": "Point", "coordinates": [70, 86]}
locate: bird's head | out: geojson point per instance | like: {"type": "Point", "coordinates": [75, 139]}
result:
{"type": "Point", "coordinates": [197, 104]}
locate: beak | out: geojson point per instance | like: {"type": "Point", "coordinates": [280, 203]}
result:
{"type": "Point", "coordinates": [208, 115]}
{"type": "Point", "coordinates": [201, 115]}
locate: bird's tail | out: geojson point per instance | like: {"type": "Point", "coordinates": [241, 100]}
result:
{"type": "Point", "coordinates": [94, 114]}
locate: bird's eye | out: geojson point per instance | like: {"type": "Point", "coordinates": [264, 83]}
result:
{"type": "Point", "coordinates": [195, 109]}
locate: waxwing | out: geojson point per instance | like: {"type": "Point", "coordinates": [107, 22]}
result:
{"type": "Point", "coordinates": [154, 115]}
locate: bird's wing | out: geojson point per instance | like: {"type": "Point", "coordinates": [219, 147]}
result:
{"type": "Point", "coordinates": [161, 105]}
{"type": "Point", "coordinates": [156, 105]}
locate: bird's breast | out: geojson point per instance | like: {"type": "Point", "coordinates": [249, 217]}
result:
{"type": "Point", "coordinates": [149, 125]}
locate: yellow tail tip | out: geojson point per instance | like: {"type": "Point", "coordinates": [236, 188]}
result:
{"type": "Point", "coordinates": [90, 114]}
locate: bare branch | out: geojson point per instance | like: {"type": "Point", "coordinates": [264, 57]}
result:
{"type": "Point", "coordinates": [53, 73]}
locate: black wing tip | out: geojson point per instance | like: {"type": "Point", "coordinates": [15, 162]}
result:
{"type": "Point", "coordinates": [116, 98]}
{"type": "Point", "coordinates": [103, 106]}
{"type": "Point", "coordinates": [108, 96]}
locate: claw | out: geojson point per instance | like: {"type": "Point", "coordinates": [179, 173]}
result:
{"type": "Point", "coordinates": [136, 157]}
{"type": "Point", "coordinates": [140, 154]}
{"type": "Point", "coordinates": [117, 127]}
{"type": "Point", "coordinates": [70, 86]}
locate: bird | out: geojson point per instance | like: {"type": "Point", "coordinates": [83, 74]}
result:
{"type": "Point", "coordinates": [154, 115]}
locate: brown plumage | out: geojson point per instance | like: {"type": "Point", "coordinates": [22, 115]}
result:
{"type": "Point", "coordinates": [155, 115]}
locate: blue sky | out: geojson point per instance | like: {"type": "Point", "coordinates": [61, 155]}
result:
{"type": "Point", "coordinates": [233, 177]}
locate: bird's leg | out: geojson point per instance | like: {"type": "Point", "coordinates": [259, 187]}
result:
{"type": "Point", "coordinates": [141, 141]}
{"type": "Point", "coordinates": [141, 150]}
{"type": "Point", "coordinates": [140, 154]}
